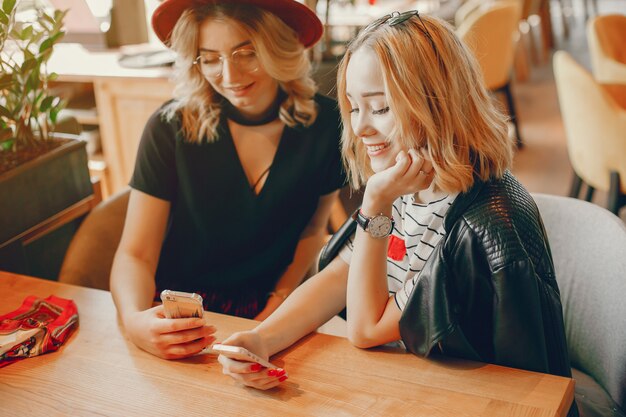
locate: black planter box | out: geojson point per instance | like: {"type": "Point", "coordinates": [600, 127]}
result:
{"type": "Point", "coordinates": [33, 194]}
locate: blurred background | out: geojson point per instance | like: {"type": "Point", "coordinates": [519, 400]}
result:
{"type": "Point", "coordinates": [100, 26]}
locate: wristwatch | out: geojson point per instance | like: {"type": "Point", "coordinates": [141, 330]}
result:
{"type": "Point", "coordinates": [379, 226]}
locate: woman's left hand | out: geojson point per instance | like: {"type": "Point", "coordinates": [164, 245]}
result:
{"type": "Point", "coordinates": [411, 173]}
{"type": "Point", "coordinates": [249, 373]}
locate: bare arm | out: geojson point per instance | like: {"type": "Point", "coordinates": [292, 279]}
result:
{"type": "Point", "coordinates": [136, 259]}
{"type": "Point", "coordinates": [373, 316]}
{"type": "Point", "coordinates": [312, 304]}
{"type": "Point", "coordinates": [132, 285]}
{"type": "Point", "coordinates": [311, 241]}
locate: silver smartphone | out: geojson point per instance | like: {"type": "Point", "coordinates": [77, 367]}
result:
{"type": "Point", "coordinates": [178, 304]}
{"type": "Point", "coordinates": [241, 354]}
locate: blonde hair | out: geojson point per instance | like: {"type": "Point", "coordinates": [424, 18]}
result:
{"type": "Point", "coordinates": [439, 103]}
{"type": "Point", "coordinates": [280, 53]}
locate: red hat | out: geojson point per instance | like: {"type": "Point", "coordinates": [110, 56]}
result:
{"type": "Point", "coordinates": [296, 15]}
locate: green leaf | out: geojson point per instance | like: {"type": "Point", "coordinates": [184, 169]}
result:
{"type": "Point", "coordinates": [46, 103]}
{"type": "Point", "coordinates": [28, 54]}
{"type": "Point", "coordinates": [33, 81]}
{"type": "Point", "coordinates": [60, 14]}
{"type": "Point", "coordinates": [54, 112]}
{"type": "Point", "coordinates": [47, 44]}
{"type": "Point", "coordinates": [28, 65]}
{"type": "Point", "coordinates": [4, 19]}
{"type": "Point", "coordinates": [45, 17]}
{"type": "Point", "coordinates": [38, 98]}
{"type": "Point", "coordinates": [27, 33]}
{"type": "Point", "coordinates": [6, 144]}
{"type": "Point", "coordinates": [8, 5]}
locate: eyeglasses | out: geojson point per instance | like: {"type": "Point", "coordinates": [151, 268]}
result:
{"type": "Point", "coordinates": [396, 18]}
{"type": "Point", "coordinates": [212, 64]}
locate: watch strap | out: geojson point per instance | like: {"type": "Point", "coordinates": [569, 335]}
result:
{"type": "Point", "coordinates": [361, 219]}
{"type": "Point", "coordinates": [364, 221]}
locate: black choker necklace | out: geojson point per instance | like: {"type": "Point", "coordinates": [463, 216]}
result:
{"type": "Point", "coordinates": [232, 113]}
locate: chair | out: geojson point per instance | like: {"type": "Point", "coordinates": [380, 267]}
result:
{"type": "Point", "coordinates": [588, 246]}
{"type": "Point", "coordinates": [89, 257]}
{"type": "Point", "coordinates": [525, 45]}
{"type": "Point", "coordinates": [607, 45]}
{"type": "Point", "coordinates": [466, 9]}
{"type": "Point", "coordinates": [491, 32]}
{"type": "Point", "coordinates": [595, 126]}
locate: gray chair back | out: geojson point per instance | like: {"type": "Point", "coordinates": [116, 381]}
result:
{"type": "Point", "coordinates": [588, 246]}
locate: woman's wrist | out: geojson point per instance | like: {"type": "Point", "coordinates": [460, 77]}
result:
{"type": "Point", "coordinates": [376, 203]}
{"type": "Point", "coordinates": [128, 317]}
{"type": "Point", "coordinates": [268, 337]}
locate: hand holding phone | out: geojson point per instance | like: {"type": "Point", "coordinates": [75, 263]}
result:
{"type": "Point", "coordinates": [178, 304]}
{"type": "Point", "coordinates": [241, 354]}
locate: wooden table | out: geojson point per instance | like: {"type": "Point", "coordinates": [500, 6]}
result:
{"type": "Point", "coordinates": [99, 372]}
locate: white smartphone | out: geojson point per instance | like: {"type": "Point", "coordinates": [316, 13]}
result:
{"type": "Point", "coordinates": [241, 354]}
{"type": "Point", "coordinates": [178, 304]}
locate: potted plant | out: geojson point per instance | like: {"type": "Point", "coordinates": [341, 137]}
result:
{"type": "Point", "coordinates": [44, 177]}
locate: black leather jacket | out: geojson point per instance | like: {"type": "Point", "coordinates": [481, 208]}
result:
{"type": "Point", "coordinates": [488, 292]}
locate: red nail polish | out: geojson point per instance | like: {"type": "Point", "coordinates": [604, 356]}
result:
{"type": "Point", "coordinates": [282, 378]}
{"type": "Point", "coordinates": [272, 372]}
{"type": "Point", "coordinates": [255, 367]}
{"type": "Point", "coordinates": [280, 372]}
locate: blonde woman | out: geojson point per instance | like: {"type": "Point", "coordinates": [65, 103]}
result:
{"type": "Point", "coordinates": [450, 255]}
{"type": "Point", "coordinates": [235, 176]}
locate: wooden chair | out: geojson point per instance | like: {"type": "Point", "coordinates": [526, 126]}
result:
{"type": "Point", "coordinates": [595, 126]}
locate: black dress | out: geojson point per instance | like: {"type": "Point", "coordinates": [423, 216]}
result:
{"type": "Point", "coordinates": [223, 241]}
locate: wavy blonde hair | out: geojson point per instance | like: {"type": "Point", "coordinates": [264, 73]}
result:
{"type": "Point", "coordinates": [280, 53]}
{"type": "Point", "coordinates": [439, 103]}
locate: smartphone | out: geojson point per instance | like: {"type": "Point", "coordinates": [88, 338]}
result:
{"type": "Point", "coordinates": [241, 354]}
{"type": "Point", "coordinates": [178, 304]}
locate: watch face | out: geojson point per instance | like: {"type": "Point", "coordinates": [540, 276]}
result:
{"type": "Point", "coordinates": [380, 226]}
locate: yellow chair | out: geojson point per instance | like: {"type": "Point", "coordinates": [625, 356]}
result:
{"type": "Point", "coordinates": [490, 30]}
{"type": "Point", "coordinates": [466, 9]}
{"type": "Point", "coordinates": [89, 257]}
{"type": "Point", "coordinates": [595, 126]}
{"type": "Point", "coordinates": [607, 45]}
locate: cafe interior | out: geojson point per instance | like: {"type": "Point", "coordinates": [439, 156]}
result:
{"type": "Point", "coordinates": [556, 67]}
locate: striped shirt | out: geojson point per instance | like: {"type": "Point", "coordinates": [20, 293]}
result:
{"type": "Point", "coordinates": [420, 227]}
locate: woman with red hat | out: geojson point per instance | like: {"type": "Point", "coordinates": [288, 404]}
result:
{"type": "Point", "coordinates": [234, 177]}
